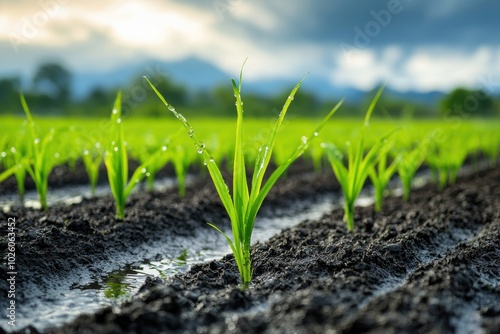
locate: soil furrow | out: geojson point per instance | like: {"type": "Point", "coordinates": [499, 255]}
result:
{"type": "Point", "coordinates": [456, 290]}
{"type": "Point", "coordinates": [313, 278]}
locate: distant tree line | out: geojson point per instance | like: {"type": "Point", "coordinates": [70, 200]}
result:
{"type": "Point", "coordinates": [50, 93]}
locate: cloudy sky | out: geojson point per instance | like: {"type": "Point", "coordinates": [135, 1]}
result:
{"type": "Point", "coordinates": [418, 45]}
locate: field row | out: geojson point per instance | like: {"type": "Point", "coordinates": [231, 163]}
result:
{"type": "Point", "coordinates": [355, 152]}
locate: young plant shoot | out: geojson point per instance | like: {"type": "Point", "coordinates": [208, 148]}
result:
{"type": "Point", "coordinates": [181, 159]}
{"type": "Point", "coordinates": [410, 161]}
{"type": "Point", "coordinates": [381, 174]}
{"type": "Point", "coordinates": [116, 161]}
{"type": "Point", "coordinates": [13, 161]}
{"type": "Point", "coordinates": [92, 160]}
{"type": "Point", "coordinates": [246, 200]}
{"type": "Point", "coordinates": [353, 177]}
{"type": "Point", "coordinates": [43, 156]}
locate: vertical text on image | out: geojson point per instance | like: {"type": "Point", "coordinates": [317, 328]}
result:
{"type": "Point", "coordinates": [11, 270]}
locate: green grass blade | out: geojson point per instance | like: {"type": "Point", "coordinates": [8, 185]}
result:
{"type": "Point", "coordinates": [264, 156]}
{"type": "Point", "coordinates": [213, 169]}
{"type": "Point", "coordinates": [259, 199]}
{"type": "Point", "coordinates": [142, 171]}
{"type": "Point", "coordinates": [371, 108]}
{"type": "Point", "coordinates": [240, 186]}
{"type": "Point", "coordinates": [10, 171]}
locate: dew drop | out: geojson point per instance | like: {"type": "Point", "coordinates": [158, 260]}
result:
{"type": "Point", "coordinates": [144, 170]}
{"type": "Point", "coordinates": [98, 145]}
{"type": "Point", "coordinates": [191, 133]}
{"type": "Point", "coordinates": [171, 108]}
{"type": "Point", "coordinates": [304, 139]}
{"type": "Point", "coordinates": [200, 151]}
{"type": "Point", "coordinates": [212, 159]}
{"type": "Point", "coordinates": [115, 111]}
{"type": "Point", "coordinates": [315, 134]}
{"type": "Point", "coordinates": [290, 97]}
{"type": "Point", "coordinates": [37, 140]}
{"type": "Point", "coordinates": [119, 120]}
{"type": "Point", "coordinates": [204, 162]}
{"type": "Point", "coordinates": [148, 174]}
{"type": "Point", "coordinates": [86, 152]}
{"type": "Point", "coordinates": [56, 155]}
{"type": "Point", "coordinates": [202, 145]}
{"type": "Point", "coordinates": [116, 149]}
{"type": "Point", "coordinates": [13, 149]}
{"type": "Point", "coordinates": [163, 148]}
{"type": "Point", "coordinates": [3, 154]}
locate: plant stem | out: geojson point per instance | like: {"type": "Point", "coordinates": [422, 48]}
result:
{"type": "Point", "coordinates": [406, 188]}
{"type": "Point", "coordinates": [43, 200]}
{"type": "Point", "coordinates": [349, 215]}
{"type": "Point", "coordinates": [379, 196]}
{"type": "Point", "coordinates": [120, 211]}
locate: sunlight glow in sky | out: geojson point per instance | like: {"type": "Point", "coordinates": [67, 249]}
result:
{"type": "Point", "coordinates": [419, 46]}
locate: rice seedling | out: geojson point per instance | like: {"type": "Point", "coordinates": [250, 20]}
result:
{"type": "Point", "coordinates": [13, 159]}
{"type": "Point", "coordinates": [316, 154]}
{"type": "Point", "coordinates": [92, 159]}
{"type": "Point", "coordinates": [12, 169]}
{"type": "Point", "coordinates": [116, 161]}
{"type": "Point", "coordinates": [181, 159]}
{"type": "Point", "coordinates": [381, 173]}
{"type": "Point", "coordinates": [446, 159]}
{"type": "Point", "coordinates": [410, 162]}
{"type": "Point", "coordinates": [145, 152]}
{"type": "Point", "coordinates": [490, 146]}
{"type": "Point", "coordinates": [242, 207]}
{"type": "Point", "coordinates": [43, 156]}
{"type": "Point", "coordinates": [353, 176]}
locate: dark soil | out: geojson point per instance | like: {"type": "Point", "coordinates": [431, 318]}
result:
{"type": "Point", "coordinates": [49, 244]}
{"type": "Point", "coordinates": [427, 266]}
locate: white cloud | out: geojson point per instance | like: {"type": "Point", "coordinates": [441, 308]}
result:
{"type": "Point", "coordinates": [94, 36]}
{"type": "Point", "coordinates": [255, 14]}
{"type": "Point", "coordinates": [430, 69]}
{"type": "Point", "coordinates": [365, 70]}
{"type": "Point", "coordinates": [425, 69]}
